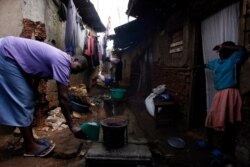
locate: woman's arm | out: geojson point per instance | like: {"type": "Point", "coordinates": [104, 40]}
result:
{"type": "Point", "coordinates": [232, 48]}
{"type": "Point", "coordinates": [65, 106]}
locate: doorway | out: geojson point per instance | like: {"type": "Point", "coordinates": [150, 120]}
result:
{"type": "Point", "coordinates": [220, 27]}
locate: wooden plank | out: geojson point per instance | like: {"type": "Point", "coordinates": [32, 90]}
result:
{"type": "Point", "coordinates": [176, 44]}
{"type": "Point", "coordinates": [176, 50]}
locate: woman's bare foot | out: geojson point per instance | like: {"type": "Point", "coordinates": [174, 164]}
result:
{"type": "Point", "coordinates": [38, 149]}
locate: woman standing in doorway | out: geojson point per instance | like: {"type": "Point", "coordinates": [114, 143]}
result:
{"type": "Point", "coordinates": [225, 110]}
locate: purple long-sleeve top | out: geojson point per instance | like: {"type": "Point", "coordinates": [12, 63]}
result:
{"type": "Point", "coordinates": [37, 58]}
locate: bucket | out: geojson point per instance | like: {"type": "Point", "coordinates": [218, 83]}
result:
{"type": "Point", "coordinates": [117, 93]}
{"type": "Point", "coordinates": [91, 129]}
{"type": "Point", "coordinates": [114, 132]}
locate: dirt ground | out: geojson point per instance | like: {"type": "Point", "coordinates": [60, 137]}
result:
{"type": "Point", "coordinates": [141, 128]}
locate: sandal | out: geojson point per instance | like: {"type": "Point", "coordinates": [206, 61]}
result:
{"type": "Point", "coordinates": [44, 151]}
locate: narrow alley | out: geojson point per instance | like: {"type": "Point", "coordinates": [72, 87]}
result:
{"type": "Point", "coordinates": [156, 83]}
{"type": "Point", "coordinates": [142, 130]}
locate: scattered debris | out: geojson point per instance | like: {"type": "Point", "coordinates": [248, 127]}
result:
{"type": "Point", "coordinates": [76, 115]}
{"type": "Point", "coordinates": [55, 120]}
{"type": "Point", "coordinates": [15, 142]}
{"type": "Point", "coordinates": [80, 94]}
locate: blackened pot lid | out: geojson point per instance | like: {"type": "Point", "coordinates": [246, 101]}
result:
{"type": "Point", "coordinates": [176, 142]}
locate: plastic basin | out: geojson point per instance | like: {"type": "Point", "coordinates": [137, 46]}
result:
{"type": "Point", "coordinates": [91, 129]}
{"type": "Point", "coordinates": [117, 93]}
{"type": "Point", "coordinates": [79, 107]}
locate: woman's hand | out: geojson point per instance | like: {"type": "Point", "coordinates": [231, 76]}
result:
{"type": "Point", "coordinates": [217, 47]}
{"type": "Point", "coordinates": [78, 132]}
{"type": "Point", "coordinates": [74, 128]}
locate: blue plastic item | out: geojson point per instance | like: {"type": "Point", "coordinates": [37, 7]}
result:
{"type": "Point", "coordinates": [176, 142]}
{"type": "Point", "coordinates": [108, 81]}
{"type": "Point", "coordinates": [216, 153]}
{"type": "Point", "coordinates": [78, 107]}
{"type": "Point", "coordinates": [165, 96]}
{"type": "Point", "coordinates": [201, 144]}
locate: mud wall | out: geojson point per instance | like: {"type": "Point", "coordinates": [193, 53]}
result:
{"type": "Point", "coordinates": [10, 17]}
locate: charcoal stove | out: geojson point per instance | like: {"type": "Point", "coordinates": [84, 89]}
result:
{"type": "Point", "coordinates": [126, 156]}
{"type": "Point", "coordinates": [115, 150]}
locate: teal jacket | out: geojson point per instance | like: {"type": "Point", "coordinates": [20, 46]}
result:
{"type": "Point", "coordinates": [226, 71]}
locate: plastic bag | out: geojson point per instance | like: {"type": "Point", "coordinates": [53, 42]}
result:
{"type": "Point", "coordinates": [150, 106]}
{"type": "Point", "coordinates": [159, 89]}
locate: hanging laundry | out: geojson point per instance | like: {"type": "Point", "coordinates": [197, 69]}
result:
{"type": "Point", "coordinates": [62, 12]}
{"type": "Point", "coordinates": [79, 35]}
{"type": "Point", "coordinates": [71, 28]}
{"type": "Point", "coordinates": [89, 49]}
{"type": "Point", "coordinates": [95, 56]}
